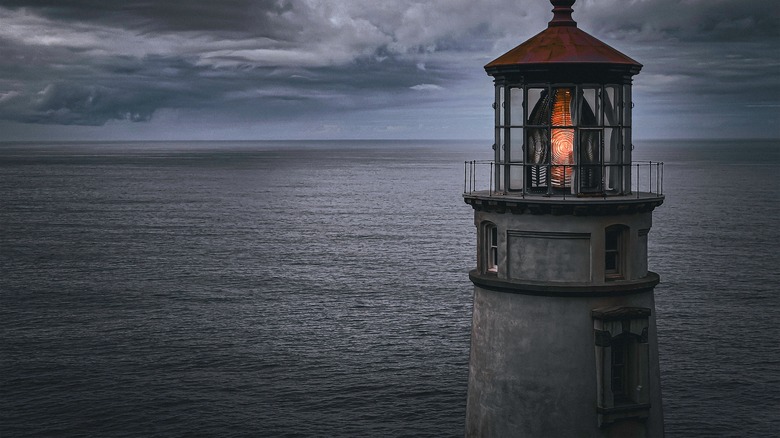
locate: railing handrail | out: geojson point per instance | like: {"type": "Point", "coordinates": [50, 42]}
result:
{"type": "Point", "coordinates": [647, 177]}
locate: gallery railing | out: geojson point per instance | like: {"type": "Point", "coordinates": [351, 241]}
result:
{"type": "Point", "coordinates": [640, 178]}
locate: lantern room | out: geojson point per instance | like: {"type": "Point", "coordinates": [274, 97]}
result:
{"type": "Point", "coordinates": [562, 114]}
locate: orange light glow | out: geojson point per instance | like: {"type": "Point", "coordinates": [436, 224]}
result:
{"type": "Point", "coordinates": [562, 139]}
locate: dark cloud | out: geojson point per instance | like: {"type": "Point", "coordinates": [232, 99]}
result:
{"type": "Point", "coordinates": [91, 62]}
{"type": "Point", "coordinates": [119, 88]}
{"type": "Point", "coordinates": [68, 104]}
{"type": "Point", "coordinates": [228, 16]}
{"type": "Point", "coordinates": [691, 21]}
{"type": "Point", "coordinates": [132, 89]}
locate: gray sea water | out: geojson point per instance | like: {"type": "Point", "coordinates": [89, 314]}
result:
{"type": "Point", "coordinates": [320, 288]}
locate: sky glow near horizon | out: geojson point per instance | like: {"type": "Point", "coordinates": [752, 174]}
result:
{"type": "Point", "coordinates": [331, 69]}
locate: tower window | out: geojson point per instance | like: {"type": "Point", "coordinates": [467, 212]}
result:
{"type": "Point", "coordinates": [614, 252]}
{"type": "Point", "coordinates": [618, 370]}
{"type": "Point", "coordinates": [490, 236]}
{"type": "Point", "coordinates": [622, 361]}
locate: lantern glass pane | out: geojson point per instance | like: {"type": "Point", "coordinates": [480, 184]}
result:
{"type": "Point", "coordinates": [537, 146]}
{"type": "Point", "coordinates": [539, 107]}
{"type": "Point", "coordinates": [589, 112]}
{"type": "Point", "coordinates": [611, 106]}
{"type": "Point", "coordinates": [516, 177]}
{"type": "Point", "coordinates": [562, 138]}
{"type": "Point", "coordinates": [516, 145]}
{"type": "Point", "coordinates": [612, 146]}
{"type": "Point", "coordinates": [589, 160]}
{"type": "Point", "coordinates": [537, 154]}
{"type": "Point", "coordinates": [612, 159]}
{"type": "Point", "coordinates": [516, 106]}
{"type": "Point", "coordinates": [562, 105]}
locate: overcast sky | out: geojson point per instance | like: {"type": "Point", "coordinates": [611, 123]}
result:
{"type": "Point", "coordinates": [309, 69]}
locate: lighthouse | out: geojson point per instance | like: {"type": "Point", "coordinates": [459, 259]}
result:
{"type": "Point", "coordinates": [563, 339]}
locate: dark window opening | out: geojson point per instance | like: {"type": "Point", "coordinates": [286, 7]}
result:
{"type": "Point", "coordinates": [619, 374]}
{"type": "Point", "coordinates": [493, 249]}
{"type": "Point", "coordinates": [622, 349]}
{"type": "Point", "coordinates": [489, 248]}
{"type": "Point", "coordinates": [613, 252]}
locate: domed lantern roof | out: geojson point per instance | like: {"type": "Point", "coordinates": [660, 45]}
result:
{"type": "Point", "coordinates": [563, 46]}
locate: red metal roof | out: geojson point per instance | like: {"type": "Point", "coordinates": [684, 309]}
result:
{"type": "Point", "coordinates": [562, 42]}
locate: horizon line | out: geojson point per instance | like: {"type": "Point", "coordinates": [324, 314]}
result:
{"type": "Point", "coordinates": [352, 140]}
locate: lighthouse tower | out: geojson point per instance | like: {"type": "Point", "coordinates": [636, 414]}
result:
{"type": "Point", "coordinates": [563, 339]}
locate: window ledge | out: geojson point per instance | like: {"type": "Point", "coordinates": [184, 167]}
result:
{"type": "Point", "coordinates": [633, 411]}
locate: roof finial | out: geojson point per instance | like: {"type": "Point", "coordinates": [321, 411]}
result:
{"type": "Point", "coordinates": [562, 13]}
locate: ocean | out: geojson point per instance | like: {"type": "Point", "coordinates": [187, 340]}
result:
{"type": "Point", "coordinates": [302, 289]}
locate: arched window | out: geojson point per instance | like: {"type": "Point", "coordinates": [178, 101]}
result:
{"type": "Point", "coordinates": [615, 252]}
{"type": "Point", "coordinates": [490, 247]}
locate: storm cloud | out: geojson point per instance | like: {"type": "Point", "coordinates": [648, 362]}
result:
{"type": "Point", "coordinates": [271, 63]}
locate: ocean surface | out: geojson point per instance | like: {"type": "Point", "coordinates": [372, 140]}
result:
{"type": "Point", "coordinates": [302, 289]}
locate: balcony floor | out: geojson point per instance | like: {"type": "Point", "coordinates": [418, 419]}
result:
{"type": "Point", "coordinates": [560, 204]}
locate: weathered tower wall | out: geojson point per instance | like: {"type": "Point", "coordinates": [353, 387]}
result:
{"type": "Point", "coordinates": [533, 369]}
{"type": "Point", "coordinates": [545, 321]}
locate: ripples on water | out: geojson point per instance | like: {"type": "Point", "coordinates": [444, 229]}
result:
{"type": "Point", "coordinates": [718, 303]}
{"type": "Point", "coordinates": [320, 289]}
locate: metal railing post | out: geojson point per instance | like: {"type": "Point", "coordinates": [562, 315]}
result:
{"type": "Point", "coordinates": [490, 187]}
{"type": "Point", "coordinates": [465, 176]}
{"type": "Point", "coordinates": [638, 178]}
{"type": "Point", "coordinates": [650, 176]}
{"type": "Point", "coordinates": [662, 177]}
{"type": "Point", "coordinates": [474, 176]}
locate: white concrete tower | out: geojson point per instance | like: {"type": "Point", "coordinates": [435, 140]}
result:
{"type": "Point", "coordinates": [563, 339]}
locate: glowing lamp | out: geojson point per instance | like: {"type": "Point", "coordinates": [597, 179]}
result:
{"type": "Point", "coordinates": [562, 139]}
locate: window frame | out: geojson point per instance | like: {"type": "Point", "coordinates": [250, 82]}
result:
{"type": "Point", "coordinates": [626, 329]}
{"type": "Point", "coordinates": [490, 235]}
{"type": "Point", "coordinates": [617, 233]}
